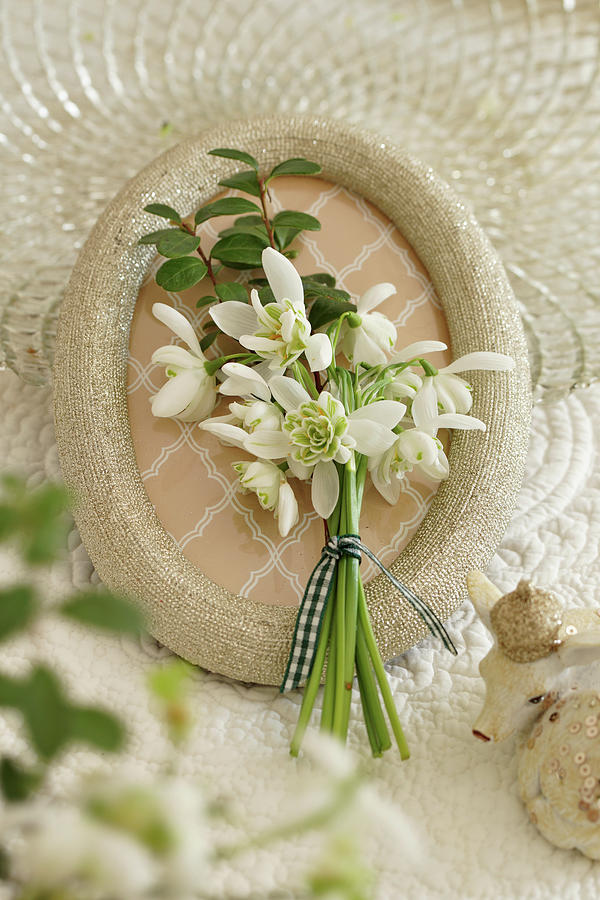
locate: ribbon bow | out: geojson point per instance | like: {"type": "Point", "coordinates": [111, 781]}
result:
{"type": "Point", "coordinates": [316, 596]}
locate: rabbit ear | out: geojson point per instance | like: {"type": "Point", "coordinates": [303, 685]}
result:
{"type": "Point", "coordinates": [484, 595]}
{"type": "Point", "coordinates": [580, 649]}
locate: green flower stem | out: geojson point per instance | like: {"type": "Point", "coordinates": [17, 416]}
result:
{"type": "Point", "coordinates": [303, 377]}
{"type": "Point", "coordinates": [380, 673]}
{"type": "Point", "coordinates": [351, 595]}
{"type": "Point", "coordinates": [369, 692]}
{"type": "Point", "coordinates": [329, 692]}
{"type": "Point", "coordinates": [340, 630]}
{"type": "Point", "coordinates": [313, 683]}
{"type": "Point", "coordinates": [376, 748]}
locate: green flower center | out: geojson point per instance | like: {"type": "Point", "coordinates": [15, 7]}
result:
{"type": "Point", "coordinates": [316, 431]}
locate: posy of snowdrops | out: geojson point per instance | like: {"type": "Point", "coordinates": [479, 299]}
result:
{"type": "Point", "coordinates": [322, 395]}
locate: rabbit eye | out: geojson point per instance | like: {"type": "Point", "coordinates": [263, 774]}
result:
{"type": "Point", "coordinates": [537, 699]}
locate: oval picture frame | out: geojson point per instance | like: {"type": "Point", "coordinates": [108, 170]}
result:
{"type": "Point", "coordinates": [130, 549]}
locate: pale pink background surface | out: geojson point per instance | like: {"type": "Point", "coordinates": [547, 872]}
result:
{"type": "Point", "coordinates": [188, 474]}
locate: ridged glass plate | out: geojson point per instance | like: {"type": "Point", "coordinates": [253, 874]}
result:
{"type": "Point", "coordinates": [500, 97]}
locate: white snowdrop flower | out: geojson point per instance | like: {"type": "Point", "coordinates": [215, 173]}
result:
{"type": "Point", "coordinates": [454, 393]}
{"type": "Point", "coordinates": [280, 331]}
{"type": "Point", "coordinates": [190, 393]}
{"type": "Point", "coordinates": [368, 337]}
{"type": "Point", "coordinates": [418, 446]}
{"type": "Point", "coordinates": [320, 433]}
{"type": "Point", "coordinates": [63, 847]}
{"type": "Point", "coordinates": [270, 485]}
{"type": "Point", "coordinates": [257, 414]}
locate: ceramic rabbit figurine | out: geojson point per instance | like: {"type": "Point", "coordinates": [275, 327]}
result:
{"type": "Point", "coordinates": [530, 685]}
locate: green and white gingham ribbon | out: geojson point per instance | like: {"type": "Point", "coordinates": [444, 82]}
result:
{"type": "Point", "coordinates": [316, 596]}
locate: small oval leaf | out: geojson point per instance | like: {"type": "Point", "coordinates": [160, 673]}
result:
{"type": "Point", "coordinates": [232, 291]}
{"type": "Point", "coordinates": [154, 236]}
{"type": "Point", "coordinates": [240, 251]}
{"type": "Point", "coordinates": [181, 274]}
{"type": "Point", "coordinates": [296, 166]}
{"type": "Point", "coordinates": [231, 153]}
{"type": "Point", "coordinates": [164, 211]}
{"type": "Point", "coordinates": [228, 206]}
{"type": "Point", "coordinates": [209, 339]}
{"type": "Point", "coordinates": [177, 244]}
{"type": "Point", "coordinates": [246, 181]}
{"type": "Point", "coordinates": [291, 219]}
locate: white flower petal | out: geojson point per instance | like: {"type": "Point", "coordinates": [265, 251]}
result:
{"type": "Point", "coordinates": [379, 328]}
{"type": "Point", "coordinates": [179, 325]}
{"type": "Point", "coordinates": [229, 434]}
{"type": "Point", "coordinates": [418, 447]}
{"type": "Point", "coordinates": [287, 510]}
{"type": "Point", "coordinates": [325, 488]}
{"type": "Point", "coordinates": [174, 355]}
{"type": "Point", "coordinates": [244, 381]}
{"type": "Point", "coordinates": [299, 470]}
{"type": "Point", "coordinates": [389, 490]}
{"type": "Point", "coordinates": [201, 405]}
{"type": "Point", "coordinates": [419, 348]}
{"type": "Point", "coordinates": [424, 407]}
{"type": "Point", "coordinates": [266, 443]}
{"type": "Point", "coordinates": [288, 392]}
{"type": "Point", "coordinates": [386, 412]}
{"type": "Point", "coordinates": [256, 304]}
{"type": "Point", "coordinates": [234, 318]}
{"type": "Point", "coordinates": [484, 359]}
{"type": "Point", "coordinates": [359, 347]}
{"type": "Point", "coordinates": [318, 352]}
{"type": "Point", "coordinates": [175, 395]}
{"type": "Point", "coordinates": [370, 437]}
{"type": "Point", "coordinates": [260, 344]}
{"type": "Point", "coordinates": [283, 278]}
{"type": "Point", "coordinates": [455, 420]}
{"type": "Point", "coordinates": [374, 296]}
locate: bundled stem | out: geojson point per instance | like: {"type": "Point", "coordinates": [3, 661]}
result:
{"type": "Point", "coordinates": [347, 645]}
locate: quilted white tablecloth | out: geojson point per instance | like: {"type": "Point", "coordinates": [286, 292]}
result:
{"type": "Point", "coordinates": [461, 795]}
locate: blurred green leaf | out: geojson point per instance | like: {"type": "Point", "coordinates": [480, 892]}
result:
{"type": "Point", "coordinates": [291, 219]}
{"type": "Point", "coordinates": [243, 221]}
{"type": "Point", "coordinates": [209, 339]}
{"type": "Point", "coordinates": [17, 607]}
{"type": "Point", "coordinates": [96, 727]}
{"type": "Point", "coordinates": [230, 153]}
{"type": "Point", "coordinates": [164, 211]}
{"type": "Point", "coordinates": [181, 274]}
{"type": "Point", "coordinates": [11, 691]}
{"type": "Point", "coordinates": [43, 522]}
{"type": "Point", "coordinates": [228, 206]}
{"type": "Point", "coordinates": [246, 181]}
{"type": "Point", "coordinates": [205, 301]}
{"type": "Point", "coordinates": [177, 243]}
{"type": "Point", "coordinates": [231, 290]}
{"type": "Point", "coordinates": [326, 309]}
{"type": "Point", "coordinates": [45, 711]}
{"type": "Point", "coordinates": [170, 681]}
{"type": "Point", "coordinates": [154, 236]}
{"type": "Point", "coordinates": [239, 251]}
{"type": "Point", "coordinates": [102, 609]}
{"type": "Point", "coordinates": [296, 166]}
{"type": "Point", "coordinates": [17, 782]}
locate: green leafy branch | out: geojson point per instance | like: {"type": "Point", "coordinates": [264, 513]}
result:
{"type": "Point", "coordinates": [36, 521]}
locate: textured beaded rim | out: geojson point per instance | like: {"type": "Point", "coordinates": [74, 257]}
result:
{"type": "Point", "coordinates": [132, 552]}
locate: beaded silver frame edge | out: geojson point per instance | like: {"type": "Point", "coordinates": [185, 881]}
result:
{"type": "Point", "coordinates": [195, 617]}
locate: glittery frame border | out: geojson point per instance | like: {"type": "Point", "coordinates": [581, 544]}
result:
{"type": "Point", "coordinates": [132, 552]}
